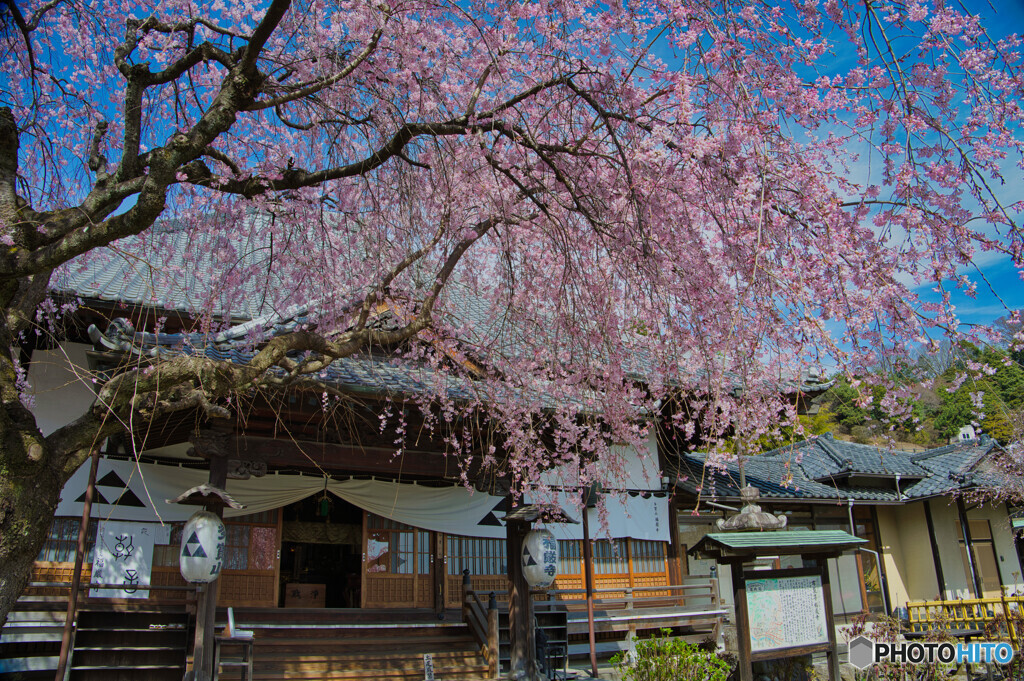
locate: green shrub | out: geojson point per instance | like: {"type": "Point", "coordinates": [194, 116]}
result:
{"type": "Point", "coordinates": [668, 659]}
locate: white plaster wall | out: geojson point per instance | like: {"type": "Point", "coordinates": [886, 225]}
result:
{"type": "Point", "coordinates": [891, 548]}
{"type": "Point", "coordinates": [1002, 538]}
{"type": "Point", "coordinates": [944, 516]}
{"type": "Point", "coordinates": [958, 583]}
{"type": "Point", "coordinates": [918, 567]}
{"type": "Point", "coordinates": [630, 469]}
{"type": "Point", "coordinates": [60, 385]}
{"type": "Point", "coordinates": [689, 534]}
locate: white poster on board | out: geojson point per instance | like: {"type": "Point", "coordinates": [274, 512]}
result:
{"type": "Point", "coordinates": [786, 612]}
{"type": "Point", "coordinates": [123, 555]}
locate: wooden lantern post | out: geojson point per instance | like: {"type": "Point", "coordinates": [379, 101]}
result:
{"type": "Point", "coordinates": [213, 497]}
{"type": "Point", "coordinates": [522, 645]}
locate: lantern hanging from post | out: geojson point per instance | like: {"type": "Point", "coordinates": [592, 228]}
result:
{"type": "Point", "coordinates": [540, 558]}
{"type": "Point", "coordinates": [202, 547]}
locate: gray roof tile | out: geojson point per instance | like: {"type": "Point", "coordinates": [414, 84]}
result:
{"type": "Point", "coordinates": [789, 473]}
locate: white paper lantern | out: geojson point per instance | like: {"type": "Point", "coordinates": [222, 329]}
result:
{"type": "Point", "coordinates": [540, 558]}
{"type": "Point", "coordinates": [202, 547]}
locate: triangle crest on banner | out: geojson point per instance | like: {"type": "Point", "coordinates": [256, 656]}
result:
{"type": "Point", "coordinates": [128, 498]}
{"type": "Point", "coordinates": [97, 497]}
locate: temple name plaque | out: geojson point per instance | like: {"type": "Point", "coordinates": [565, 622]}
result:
{"type": "Point", "coordinates": [786, 612]}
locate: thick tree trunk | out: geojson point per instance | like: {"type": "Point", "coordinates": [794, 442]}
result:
{"type": "Point", "coordinates": [31, 478]}
{"type": "Point", "coordinates": [27, 505]}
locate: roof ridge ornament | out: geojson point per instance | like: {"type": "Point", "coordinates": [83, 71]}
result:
{"type": "Point", "coordinates": [751, 517]}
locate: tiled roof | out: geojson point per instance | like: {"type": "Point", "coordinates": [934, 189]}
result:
{"type": "Point", "coordinates": [178, 271]}
{"type": "Point", "coordinates": [825, 457]}
{"type": "Point", "coordinates": [776, 478]}
{"type": "Point", "coordinates": [953, 466]}
{"type": "Point", "coordinates": [789, 473]}
{"type": "Point", "coordinates": [782, 542]}
{"type": "Point", "coordinates": [182, 271]}
{"type": "Point", "coordinates": [358, 373]}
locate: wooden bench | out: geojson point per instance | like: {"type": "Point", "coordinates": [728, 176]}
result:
{"type": "Point", "coordinates": [234, 637]}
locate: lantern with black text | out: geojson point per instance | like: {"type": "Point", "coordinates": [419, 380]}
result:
{"type": "Point", "coordinates": [540, 558]}
{"type": "Point", "coordinates": [202, 547]}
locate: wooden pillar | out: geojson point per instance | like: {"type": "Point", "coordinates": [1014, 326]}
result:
{"type": "Point", "coordinates": [493, 637]}
{"type": "Point", "coordinates": [440, 573]}
{"type": "Point", "coordinates": [965, 526]}
{"type": "Point", "coordinates": [206, 608]}
{"type": "Point", "coordinates": [522, 648]}
{"type": "Point", "coordinates": [588, 585]}
{"type": "Point", "coordinates": [675, 557]}
{"type": "Point", "coordinates": [739, 596]}
{"type": "Point", "coordinates": [76, 576]}
{"type": "Point", "coordinates": [830, 624]}
{"type": "Point", "coordinates": [936, 556]}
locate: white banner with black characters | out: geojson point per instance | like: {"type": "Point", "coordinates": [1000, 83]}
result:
{"type": "Point", "coordinates": [123, 555]}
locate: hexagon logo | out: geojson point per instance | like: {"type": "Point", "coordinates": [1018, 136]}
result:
{"type": "Point", "coordinates": [862, 652]}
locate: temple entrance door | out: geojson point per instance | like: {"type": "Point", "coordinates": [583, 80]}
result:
{"type": "Point", "coordinates": [398, 565]}
{"type": "Point", "coordinates": [321, 554]}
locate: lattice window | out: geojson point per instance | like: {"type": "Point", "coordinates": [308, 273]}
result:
{"type": "Point", "coordinates": [63, 540]}
{"type": "Point", "coordinates": [166, 555]}
{"type": "Point", "coordinates": [481, 556]}
{"type": "Point", "coordinates": [611, 557]}
{"type": "Point", "coordinates": [569, 561]}
{"type": "Point", "coordinates": [395, 548]}
{"type": "Point", "coordinates": [648, 556]}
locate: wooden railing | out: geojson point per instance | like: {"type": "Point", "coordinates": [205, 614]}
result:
{"type": "Point", "coordinates": [695, 594]}
{"type": "Point", "coordinates": [619, 611]}
{"type": "Point", "coordinates": [482, 621]}
{"type": "Point", "coordinates": [1000, 618]}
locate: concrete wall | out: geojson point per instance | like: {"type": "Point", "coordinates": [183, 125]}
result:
{"type": "Point", "coordinates": [60, 385]}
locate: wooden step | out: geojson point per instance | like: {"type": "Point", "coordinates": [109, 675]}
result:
{"type": "Point", "coordinates": [315, 663]}
{"type": "Point", "coordinates": [355, 629]}
{"type": "Point", "coordinates": [274, 657]}
{"type": "Point", "coordinates": [117, 667]}
{"type": "Point", "coordinates": [461, 672]}
{"type": "Point", "coordinates": [320, 645]}
{"type": "Point", "coordinates": [134, 649]}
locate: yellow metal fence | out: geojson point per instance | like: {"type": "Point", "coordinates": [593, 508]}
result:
{"type": "Point", "coordinates": [1000, 618]}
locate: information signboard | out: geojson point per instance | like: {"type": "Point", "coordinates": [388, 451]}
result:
{"type": "Point", "coordinates": [786, 612]}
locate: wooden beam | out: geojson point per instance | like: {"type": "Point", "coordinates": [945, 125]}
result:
{"type": "Point", "coordinates": [288, 453]}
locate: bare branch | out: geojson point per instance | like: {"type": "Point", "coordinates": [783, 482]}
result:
{"type": "Point", "coordinates": [313, 88]}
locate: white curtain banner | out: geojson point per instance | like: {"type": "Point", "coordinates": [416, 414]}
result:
{"type": "Point", "coordinates": [126, 490]}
